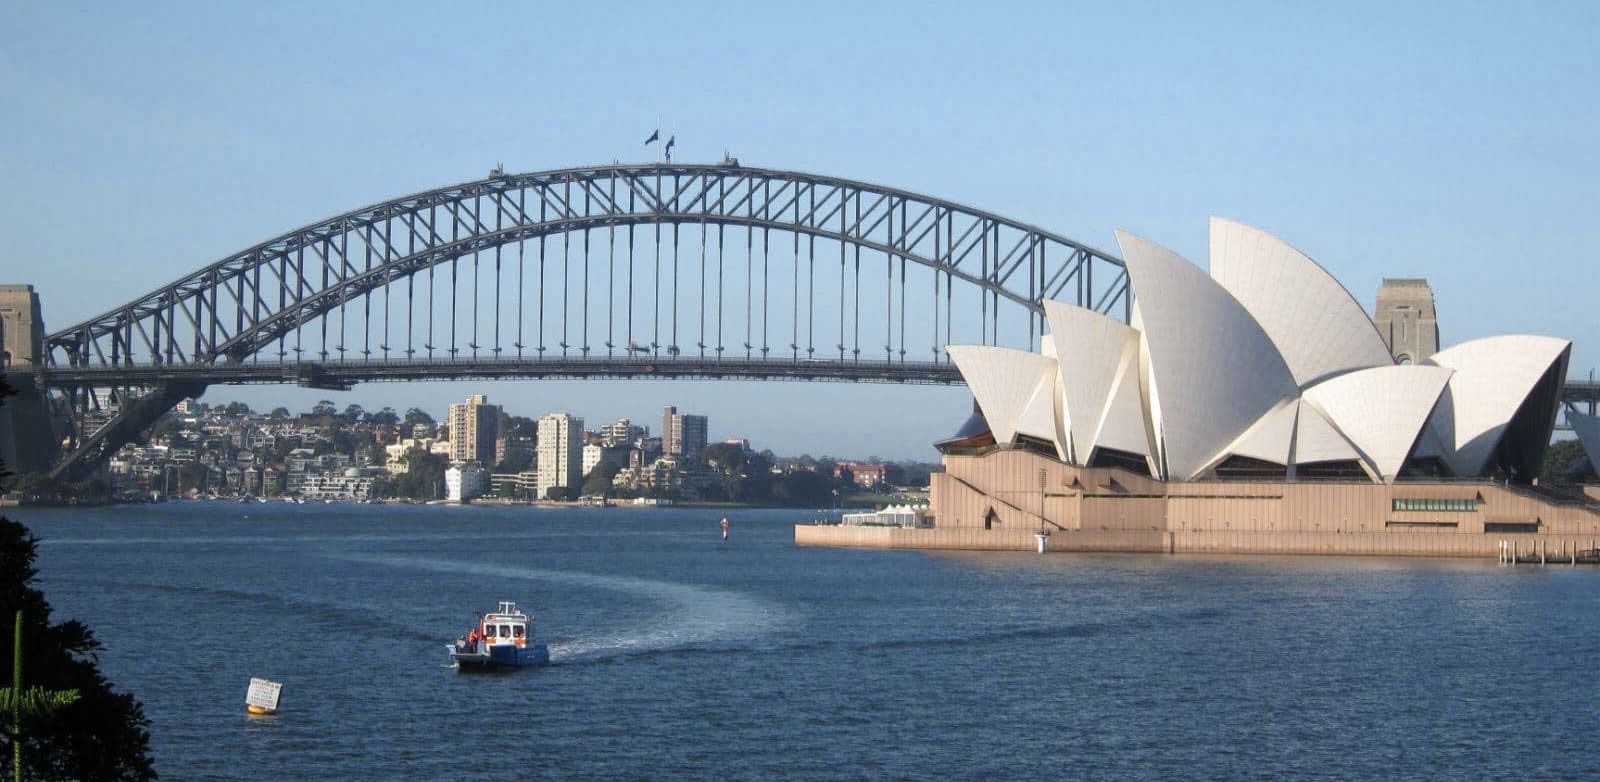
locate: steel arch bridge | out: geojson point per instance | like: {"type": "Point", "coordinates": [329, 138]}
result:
{"type": "Point", "coordinates": [617, 271]}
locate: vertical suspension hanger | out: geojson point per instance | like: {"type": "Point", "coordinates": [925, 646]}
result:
{"type": "Point", "coordinates": [566, 269]}
{"type": "Point", "coordinates": [611, 266]}
{"type": "Point", "coordinates": [655, 277]}
{"type": "Point", "coordinates": [477, 228]}
{"type": "Point", "coordinates": [522, 242]}
{"type": "Point", "coordinates": [455, 260]}
{"type": "Point", "coordinates": [499, 243]}
{"type": "Point", "coordinates": [544, 219]}
{"type": "Point", "coordinates": [673, 348]}
{"type": "Point", "coordinates": [588, 213]}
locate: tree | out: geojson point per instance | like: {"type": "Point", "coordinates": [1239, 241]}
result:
{"type": "Point", "coordinates": [598, 481]}
{"type": "Point", "coordinates": [1565, 462]}
{"type": "Point", "coordinates": [191, 477]}
{"type": "Point", "coordinates": [384, 417]}
{"type": "Point", "coordinates": [416, 416]}
{"type": "Point", "coordinates": [520, 426]}
{"type": "Point", "coordinates": [804, 488]}
{"type": "Point", "coordinates": [26, 706]}
{"type": "Point", "coordinates": [325, 407]}
{"type": "Point", "coordinates": [99, 735]}
{"type": "Point", "coordinates": [424, 475]}
{"type": "Point", "coordinates": [279, 413]}
{"type": "Point", "coordinates": [353, 412]}
{"type": "Point", "coordinates": [236, 409]}
{"type": "Point", "coordinates": [517, 460]}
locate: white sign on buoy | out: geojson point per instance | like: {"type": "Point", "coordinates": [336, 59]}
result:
{"type": "Point", "coordinates": [262, 697]}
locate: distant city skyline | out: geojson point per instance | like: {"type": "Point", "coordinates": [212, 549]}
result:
{"type": "Point", "coordinates": [143, 146]}
{"type": "Point", "coordinates": [596, 418]}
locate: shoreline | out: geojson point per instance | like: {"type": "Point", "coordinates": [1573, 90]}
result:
{"type": "Point", "coordinates": [1555, 548]}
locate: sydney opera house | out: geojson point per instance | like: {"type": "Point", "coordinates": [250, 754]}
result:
{"type": "Point", "coordinates": [1254, 408]}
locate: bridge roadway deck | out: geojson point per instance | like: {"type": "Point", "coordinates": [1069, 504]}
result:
{"type": "Point", "coordinates": [336, 374]}
{"type": "Point", "coordinates": [1576, 390]}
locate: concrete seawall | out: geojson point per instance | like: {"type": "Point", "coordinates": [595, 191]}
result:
{"type": "Point", "coordinates": [1374, 544]}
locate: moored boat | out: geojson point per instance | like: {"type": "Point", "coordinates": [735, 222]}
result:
{"type": "Point", "coordinates": [502, 639]}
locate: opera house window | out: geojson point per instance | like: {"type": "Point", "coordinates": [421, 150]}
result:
{"type": "Point", "coordinates": [1447, 506]}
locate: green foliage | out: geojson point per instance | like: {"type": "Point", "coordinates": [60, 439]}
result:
{"type": "Point", "coordinates": [41, 489]}
{"type": "Point", "coordinates": [917, 473]}
{"type": "Point", "coordinates": [101, 734]}
{"type": "Point", "coordinates": [418, 416]}
{"type": "Point", "coordinates": [424, 476]}
{"type": "Point", "coordinates": [1563, 461]}
{"type": "Point", "coordinates": [598, 481]}
{"type": "Point", "coordinates": [517, 460]}
{"type": "Point", "coordinates": [558, 493]}
{"type": "Point", "coordinates": [191, 477]}
{"type": "Point", "coordinates": [384, 417]}
{"type": "Point", "coordinates": [32, 705]}
{"type": "Point", "coordinates": [520, 426]}
{"type": "Point", "coordinates": [804, 488]}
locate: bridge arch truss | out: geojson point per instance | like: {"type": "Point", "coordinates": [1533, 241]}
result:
{"type": "Point", "coordinates": [625, 270]}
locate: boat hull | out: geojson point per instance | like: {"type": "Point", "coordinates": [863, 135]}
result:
{"type": "Point", "coordinates": [501, 656]}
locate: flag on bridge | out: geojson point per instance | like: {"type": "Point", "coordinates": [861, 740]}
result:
{"type": "Point", "coordinates": [655, 135]}
{"type": "Point", "coordinates": [671, 140]}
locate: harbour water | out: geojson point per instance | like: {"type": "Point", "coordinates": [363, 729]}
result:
{"type": "Point", "coordinates": [680, 657]}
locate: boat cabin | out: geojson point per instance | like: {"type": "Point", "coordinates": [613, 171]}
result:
{"type": "Point", "coordinates": [505, 625]}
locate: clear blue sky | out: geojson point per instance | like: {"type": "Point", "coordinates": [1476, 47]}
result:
{"type": "Point", "coordinates": [1453, 141]}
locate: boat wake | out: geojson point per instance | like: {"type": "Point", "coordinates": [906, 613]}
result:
{"type": "Point", "coordinates": [696, 616]}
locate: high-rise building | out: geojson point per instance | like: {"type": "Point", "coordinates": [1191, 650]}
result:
{"type": "Point", "coordinates": [621, 432]}
{"type": "Point", "coordinates": [682, 434]}
{"type": "Point", "coordinates": [474, 426]}
{"type": "Point", "coordinates": [560, 453]}
{"type": "Point", "coordinates": [1406, 320]}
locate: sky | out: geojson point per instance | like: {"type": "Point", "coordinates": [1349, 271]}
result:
{"type": "Point", "coordinates": [1452, 141]}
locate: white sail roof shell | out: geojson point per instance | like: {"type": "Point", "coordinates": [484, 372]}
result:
{"type": "Point", "coordinates": [1092, 350]}
{"type": "Point", "coordinates": [1316, 325]}
{"type": "Point", "coordinates": [1315, 440]}
{"type": "Point", "coordinates": [1004, 381]}
{"type": "Point", "coordinates": [1214, 369]}
{"type": "Point", "coordinates": [1382, 410]}
{"type": "Point", "coordinates": [1038, 418]}
{"type": "Point", "coordinates": [1124, 424]}
{"type": "Point", "coordinates": [1493, 377]}
{"type": "Point", "coordinates": [1272, 437]}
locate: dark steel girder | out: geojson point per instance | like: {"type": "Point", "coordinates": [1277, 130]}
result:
{"type": "Point", "coordinates": [319, 304]}
{"type": "Point", "coordinates": [337, 374]}
{"type": "Point", "coordinates": [255, 307]}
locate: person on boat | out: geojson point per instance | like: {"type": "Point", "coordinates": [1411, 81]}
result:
{"type": "Point", "coordinates": [724, 529]}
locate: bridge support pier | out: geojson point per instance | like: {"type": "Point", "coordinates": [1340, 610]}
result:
{"type": "Point", "coordinates": [26, 443]}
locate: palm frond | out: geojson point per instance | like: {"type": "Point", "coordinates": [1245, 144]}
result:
{"type": "Point", "coordinates": [34, 703]}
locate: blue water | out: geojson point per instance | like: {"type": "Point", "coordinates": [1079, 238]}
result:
{"type": "Point", "coordinates": [679, 657]}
